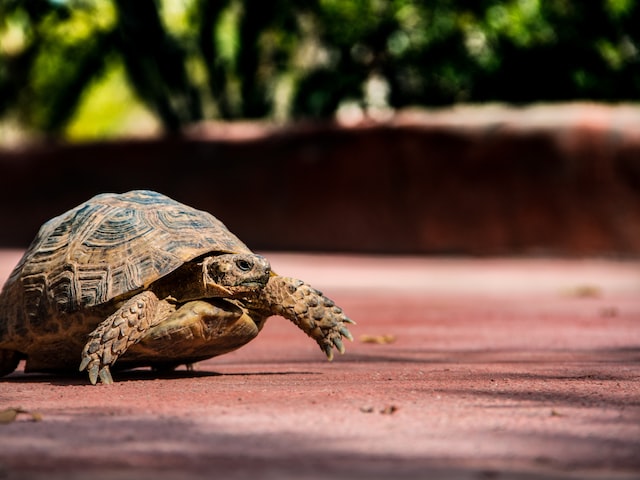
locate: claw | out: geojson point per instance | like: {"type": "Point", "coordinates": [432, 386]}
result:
{"type": "Point", "coordinates": [84, 363]}
{"type": "Point", "coordinates": [96, 372]}
{"type": "Point", "coordinates": [348, 320]}
{"type": "Point", "coordinates": [345, 333]}
{"type": "Point", "coordinates": [93, 373]}
{"type": "Point", "coordinates": [105, 376]}
{"type": "Point", "coordinates": [328, 350]}
{"type": "Point", "coordinates": [338, 343]}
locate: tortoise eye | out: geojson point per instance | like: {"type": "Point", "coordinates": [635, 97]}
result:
{"type": "Point", "coordinates": [244, 265]}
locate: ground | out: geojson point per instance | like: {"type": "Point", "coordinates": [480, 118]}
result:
{"type": "Point", "coordinates": [461, 368]}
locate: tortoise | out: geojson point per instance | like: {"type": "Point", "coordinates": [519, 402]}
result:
{"type": "Point", "coordinates": [138, 279]}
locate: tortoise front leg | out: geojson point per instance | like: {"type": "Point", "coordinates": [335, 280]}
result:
{"type": "Point", "coordinates": [128, 325]}
{"type": "Point", "coordinates": [318, 316]}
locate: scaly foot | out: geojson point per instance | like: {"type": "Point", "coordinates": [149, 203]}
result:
{"type": "Point", "coordinates": [113, 336]}
{"type": "Point", "coordinates": [316, 315]}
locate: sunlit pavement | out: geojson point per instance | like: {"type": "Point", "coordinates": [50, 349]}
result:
{"type": "Point", "coordinates": [460, 368]}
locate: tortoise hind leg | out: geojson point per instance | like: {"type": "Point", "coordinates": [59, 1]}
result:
{"type": "Point", "coordinates": [9, 360]}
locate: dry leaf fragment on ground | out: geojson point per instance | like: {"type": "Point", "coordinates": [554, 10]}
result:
{"type": "Point", "coordinates": [584, 291]}
{"type": "Point", "coordinates": [378, 339]}
{"type": "Point", "coordinates": [9, 415]}
{"type": "Point", "coordinates": [389, 410]}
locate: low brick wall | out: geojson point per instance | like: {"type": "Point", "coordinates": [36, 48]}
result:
{"type": "Point", "coordinates": [561, 180]}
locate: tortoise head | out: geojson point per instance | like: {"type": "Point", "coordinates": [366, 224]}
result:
{"type": "Point", "coordinates": [235, 275]}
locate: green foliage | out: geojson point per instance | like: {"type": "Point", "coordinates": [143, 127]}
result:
{"type": "Point", "coordinates": [109, 108]}
{"type": "Point", "coordinates": [196, 59]}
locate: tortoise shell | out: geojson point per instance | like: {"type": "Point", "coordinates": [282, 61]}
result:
{"type": "Point", "coordinates": [113, 245]}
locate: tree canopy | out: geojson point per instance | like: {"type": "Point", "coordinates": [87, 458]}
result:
{"type": "Point", "coordinates": [184, 61]}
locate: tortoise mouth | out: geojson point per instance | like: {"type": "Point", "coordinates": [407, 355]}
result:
{"type": "Point", "coordinates": [257, 280]}
{"type": "Point", "coordinates": [252, 285]}
{"type": "Point", "coordinates": [249, 286]}
{"type": "Point", "coordinates": [242, 292]}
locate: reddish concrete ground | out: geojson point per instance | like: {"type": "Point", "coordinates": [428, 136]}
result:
{"type": "Point", "coordinates": [500, 368]}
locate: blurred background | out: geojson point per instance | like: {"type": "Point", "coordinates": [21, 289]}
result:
{"type": "Point", "coordinates": [395, 126]}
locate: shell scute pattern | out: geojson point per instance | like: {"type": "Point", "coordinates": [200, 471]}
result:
{"type": "Point", "coordinates": [118, 228]}
{"type": "Point", "coordinates": [114, 244]}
